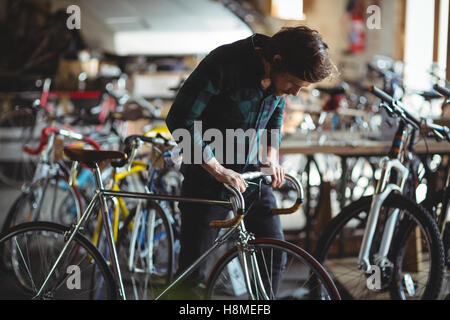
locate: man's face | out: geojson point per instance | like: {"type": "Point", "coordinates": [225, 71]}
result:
{"type": "Point", "coordinates": [287, 84]}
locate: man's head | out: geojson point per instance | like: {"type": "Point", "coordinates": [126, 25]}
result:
{"type": "Point", "coordinates": [298, 57]}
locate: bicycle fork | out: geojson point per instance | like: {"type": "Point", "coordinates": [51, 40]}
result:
{"type": "Point", "coordinates": [248, 257]}
{"type": "Point", "coordinates": [383, 190]}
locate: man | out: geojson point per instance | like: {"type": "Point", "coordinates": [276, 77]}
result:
{"type": "Point", "coordinates": [239, 86]}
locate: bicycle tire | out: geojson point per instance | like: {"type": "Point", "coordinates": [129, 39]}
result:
{"type": "Point", "coordinates": [330, 249]}
{"type": "Point", "coordinates": [234, 287]}
{"type": "Point", "coordinates": [434, 204]}
{"type": "Point", "coordinates": [15, 173]}
{"type": "Point", "coordinates": [31, 267]}
{"type": "Point", "coordinates": [159, 265]}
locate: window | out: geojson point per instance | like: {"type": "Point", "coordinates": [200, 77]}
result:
{"type": "Point", "coordinates": [288, 9]}
{"type": "Point", "coordinates": [420, 22]}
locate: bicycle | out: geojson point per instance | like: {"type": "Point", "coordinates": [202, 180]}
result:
{"type": "Point", "coordinates": [387, 233]}
{"type": "Point", "coordinates": [100, 282]}
{"type": "Point", "coordinates": [49, 191]}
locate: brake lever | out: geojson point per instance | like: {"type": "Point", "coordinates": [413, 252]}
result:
{"type": "Point", "coordinates": [438, 136]}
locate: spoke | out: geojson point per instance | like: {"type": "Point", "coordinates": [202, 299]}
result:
{"type": "Point", "coordinates": [25, 264]}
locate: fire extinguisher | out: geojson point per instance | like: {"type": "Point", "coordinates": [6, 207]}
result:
{"type": "Point", "coordinates": [357, 34]}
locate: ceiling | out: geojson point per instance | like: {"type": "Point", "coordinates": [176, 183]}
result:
{"type": "Point", "coordinates": [159, 27]}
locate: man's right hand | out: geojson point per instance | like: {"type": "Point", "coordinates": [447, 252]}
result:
{"type": "Point", "coordinates": [224, 175]}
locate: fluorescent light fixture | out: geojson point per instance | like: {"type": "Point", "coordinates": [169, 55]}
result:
{"type": "Point", "coordinates": [288, 9]}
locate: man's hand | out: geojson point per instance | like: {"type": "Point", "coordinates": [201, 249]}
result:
{"type": "Point", "coordinates": [273, 167]}
{"type": "Point", "coordinates": [276, 172]}
{"type": "Point", "coordinates": [224, 175]}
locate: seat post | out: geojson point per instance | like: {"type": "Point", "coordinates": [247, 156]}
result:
{"type": "Point", "coordinates": [108, 229]}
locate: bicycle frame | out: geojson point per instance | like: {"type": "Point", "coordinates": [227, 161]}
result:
{"type": "Point", "coordinates": [101, 195]}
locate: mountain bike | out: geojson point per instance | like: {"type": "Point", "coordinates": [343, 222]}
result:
{"type": "Point", "coordinates": [386, 245]}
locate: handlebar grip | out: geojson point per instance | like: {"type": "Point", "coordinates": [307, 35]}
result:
{"type": "Point", "coordinates": [294, 208]}
{"type": "Point", "coordinates": [226, 223]}
{"type": "Point", "coordinates": [442, 90]}
{"type": "Point", "coordinates": [382, 95]}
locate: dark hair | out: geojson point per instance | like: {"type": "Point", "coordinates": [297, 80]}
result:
{"type": "Point", "coordinates": [304, 54]}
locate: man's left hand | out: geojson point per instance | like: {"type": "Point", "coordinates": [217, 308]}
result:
{"type": "Point", "coordinates": [276, 172]}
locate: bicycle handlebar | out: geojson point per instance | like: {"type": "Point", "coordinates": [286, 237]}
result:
{"type": "Point", "coordinates": [396, 106]}
{"type": "Point", "coordinates": [62, 132]}
{"type": "Point", "coordinates": [442, 90]}
{"type": "Point", "coordinates": [240, 202]}
{"type": "Point", "coordinates": [385, 73]}
{"type": "Point", "coordinates": [43, 141]}
{"type": "Point", "coordinates": [381, 94]}
{"type": "Point", "coordinates": [440, 132]}
{"type": "Point", "coordinates": [132, 143]}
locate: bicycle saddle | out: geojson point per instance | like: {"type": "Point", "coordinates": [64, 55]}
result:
{"type": "Point", "coordinates": [92, 156]}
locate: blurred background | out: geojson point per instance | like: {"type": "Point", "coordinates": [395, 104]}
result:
{"type": "Point", "coordinates": [110, 68]}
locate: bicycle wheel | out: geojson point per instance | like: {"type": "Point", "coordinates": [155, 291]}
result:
{"type": "Point", "coordinates": [33, 249]}
{"type": "Point", "coordinates": [48, 199]}
{"type": "Point", "coordinates": [413, 259]}
{"type": "Point", "coordinates": [286, 272]}
{"type": "Point", "coordinates": [146, 255]}
{"type": "Point", "coordinates": [16, 130]}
